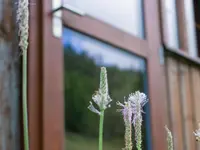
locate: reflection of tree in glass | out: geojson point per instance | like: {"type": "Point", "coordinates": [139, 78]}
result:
{"type": "Point", "coordinates": [81, 80]}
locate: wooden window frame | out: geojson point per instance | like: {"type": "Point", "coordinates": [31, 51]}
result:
{"type": "Point", "coordinates": [45, 71]}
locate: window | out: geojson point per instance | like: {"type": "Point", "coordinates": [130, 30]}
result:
{"type": "Point", "coordinates": [170, 24]}
{"type": "Point", "coordinates": [179, 27]}
{"type": "Point", "coordinates": [125, 15]}
{"type": "Point", "coordinates": [190, 28]}
{"type": "Point", "coordinates": [83, 57]}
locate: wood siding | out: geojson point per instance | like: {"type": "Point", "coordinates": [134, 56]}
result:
{"type": "Point", "coordinates": [9, 79]}
{"type": "Point", "coordinates": [183, 101]}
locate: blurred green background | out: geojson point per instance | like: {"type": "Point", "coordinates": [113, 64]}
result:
{"type": "Point", "coordinates": [81, 79]}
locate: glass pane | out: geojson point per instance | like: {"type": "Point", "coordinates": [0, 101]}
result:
{"type": "Point", "coordinates": [126, 15]}
{"type": "Point", "coordinates": [171, 24]}
{"type": "Point", "coordinates": [83, 57]}
{"type": "Point", "coordinates": [189, 15]}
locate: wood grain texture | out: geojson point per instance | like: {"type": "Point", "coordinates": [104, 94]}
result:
{"type": "Point", "coordinates": [175, 107]}
{"type": "Point", "coordinates": [35, 78]}
{"type": "Point", "coordinates": [45, 81]}
{"type": "Point", "coordinates": [105, 33]}
{"type": "Point", "coordinates": [196, 96]}
{"type": "Point", "coordinates": [9, 79]}
{"type": "Point", "coordinates": [186, 100]}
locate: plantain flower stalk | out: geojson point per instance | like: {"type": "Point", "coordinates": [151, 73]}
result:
{"type": "Point", "coordinates": [127, 113]}
{"type": "Point", "coordinates": [138, 100]}
{"type": "Point", "coordinates": [102, 100]}
{"type": "Point", "coordinates": [197, 134]}
{"type": "Point", "coordinates": [23, 23]}
{"type": "Point", "coordinates": [169, 139]}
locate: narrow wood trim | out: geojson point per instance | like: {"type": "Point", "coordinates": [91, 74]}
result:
{"type": "Point", "coordinates": [182, 55]}
{"type": "Point", "coordinates": [106, 33]}
{"type": "Point", "coordinates": [175, 101]}
{"type": "Point", "coordinates": [45, 78]}
{"type": "Point", "coordinates": [156, 75]}
{"type": "Point", "coordinates": [195, 81]}
{"type": "Point", "coordinates": [35, 78]}
{"type": "Point", "coordinates": [53, 95]}
{"type": "Point", "coordinates": [187, 110]}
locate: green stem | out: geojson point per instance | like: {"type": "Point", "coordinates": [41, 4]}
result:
{"type": "Point", "coordinates": [24, 102]}
{"type": "Point", "coordinates": [101, 130]}
{"type": "Point", "coordinates": [138, 134]}
{"type": "Point", "coordinates": [128, 136]}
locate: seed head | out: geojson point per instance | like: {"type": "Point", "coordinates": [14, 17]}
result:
{"type": "Point", "coordinates": [138, 100]}
{"type": "Point", "coordinates": [23, 22]}
{"type": "Point", "coordinates": [101, 97]}
{"type": "Point", "coordinates": [169, 139]}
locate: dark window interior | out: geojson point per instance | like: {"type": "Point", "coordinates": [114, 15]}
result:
{"type": "Point", "coordinates": [197, 22]}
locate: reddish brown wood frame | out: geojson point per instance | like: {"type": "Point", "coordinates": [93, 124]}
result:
{"type": "Point", "coordinates": [45, 75]}
{"type": "Point", "coordinates": [45, 89]}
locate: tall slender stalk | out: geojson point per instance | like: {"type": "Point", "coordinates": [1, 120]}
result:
{"type": "Point", "coordinates": [101, 130]}
{"type": "Point", "coordinates": [102, 100]}
{"type": "Point", "coordinates": [138, 133]}
{"type": "Point", "coordinates": [127, 112]}
{"type": "Point", "coordinates": [138, 100]}
{"type": "Point", "coordinates": [25, 111]}
{"type": "Point", "coordinates": [23, 22]}
{"type": "Point", "coordinates": [128, 136]}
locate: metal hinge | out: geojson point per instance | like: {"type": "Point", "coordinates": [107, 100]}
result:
{"type": "Point", "coordinates": [57, 18]}
{"type": "Point", "coordinates": [57, 7]}
{"type": "Point", "coordinates": [161, 54]}
{"type": "Point", "coordinates": [74, 9]}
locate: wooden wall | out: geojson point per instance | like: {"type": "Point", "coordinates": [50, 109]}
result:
{"type": "Point", "coordinates": [183, 84]}
{"type": "Point", "coordinates": [10, 78]}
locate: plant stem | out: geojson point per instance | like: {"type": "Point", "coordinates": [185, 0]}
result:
{"type": "Point", "coordinates": [138, 133]}
{"type": "Point", "coordinates": [101, 130]}
{"type": "Point", "coordinates": [25, 111]}
{"type": "Point", "coordinates": [128, 136]}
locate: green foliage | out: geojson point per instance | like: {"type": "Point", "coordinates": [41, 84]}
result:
{"type": "Point", "coordinates": [79, 142]}
{"type": "Point", "coordinates": [81, 80]}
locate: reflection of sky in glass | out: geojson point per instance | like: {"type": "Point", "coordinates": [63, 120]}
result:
{"type": "Point", "coordinates": [126, 15]}
{"type": "Point", "coordinates": [102, 53]}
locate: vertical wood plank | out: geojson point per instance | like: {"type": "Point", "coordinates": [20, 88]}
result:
{"type": "Point", "coordinates": [196, 96]}
{"type": "Point", "coordinates": [52, 90]}
{"type": "Point", "coordinates": [10, 79]}
{"type": "Point", "coordinates": [156, 75]}
{"type": "Point", "coordinates": [187, 110]}
{"type": "Point", "coordinates": [175, 107]}
{"type": "Point", "coordinates": [35, 79]}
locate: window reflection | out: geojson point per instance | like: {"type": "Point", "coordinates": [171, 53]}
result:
{"type": "Point", "coordinates": [126, 15]}
{"type": "Point", "coordinates": [83, 57]}
{"type": "Point", "coordinates": [170, 20]}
